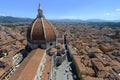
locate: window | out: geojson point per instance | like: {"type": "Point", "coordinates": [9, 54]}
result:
{"type": "Point", "coordinates": [51, 44]}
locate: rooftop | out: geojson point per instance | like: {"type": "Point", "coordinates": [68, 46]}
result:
{"type": "Point", "coordinates": [29, 66]}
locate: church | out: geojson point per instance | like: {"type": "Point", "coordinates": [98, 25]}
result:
{"type": "Point", "coordinates": [44, 53]}
{"type": "Point", "coordinates": [41, 33]}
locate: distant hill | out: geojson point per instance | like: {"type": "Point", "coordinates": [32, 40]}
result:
{"type": "Point", "coordinates": [92, 22]}
{"type": "Point", "coordinates": [9, 19]}
{"type": "Point", "coordinates": [101, 20]}
{"type": "Point", "coordinates": [67, 20]}
{"type": "Point", "coordinates": [97, 20]}
{"type": "Point", "coordinates": [83, 21]}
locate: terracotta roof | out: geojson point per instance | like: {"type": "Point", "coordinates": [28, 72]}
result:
{"type": "Point", "coordinates": [53, 50]}
{"type": "Point", "coordinates": [41, 30]}
{"type": "Point", "coordinates": [90, 70]}
{"type": "Point", "coordinates": [38, 32]}
{"type": "Point", "coordinates": [59, 45]}
{"type": "Point", "coordinates": [92, 78]}
{"type": "Point", "coordinates": [92, 50]}
{"type": "Point", "coordinates": [29, 66]}
{"type": "Point", "coordinates": [116, 76]}
{"type": "Point", "coordinates": [102, 59]}
{"type": "Point", "coordinates": [35, 31]}
{"type": "Point", "coordinates": [98, 64]}
{"type": "Point", "coordinates": [49, 31]}
{"type": "Point", "coordinates": [46, 70]}
{"type": "Point", "coordinates": [80, 65]}
{"type": "Point", "coordinates": [2, 71]}
{"type": "Point", "coordinates": [103, 74]}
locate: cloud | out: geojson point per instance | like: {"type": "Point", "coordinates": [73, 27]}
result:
{"type": "Point", "coordinates": [107, 14]}
{"type": "Point", "coordinates": [117, 9]}
{"type": "Point", "coordinates": [1, 14]}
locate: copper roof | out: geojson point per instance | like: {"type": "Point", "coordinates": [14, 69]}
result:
{"type": "Point", "coordinates": [29, 66]}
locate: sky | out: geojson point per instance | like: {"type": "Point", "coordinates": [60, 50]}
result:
{"type": "Point", "coordinates": [62, 9]}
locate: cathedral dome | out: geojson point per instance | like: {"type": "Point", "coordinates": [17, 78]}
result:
{"type": "Point", "coordinates": [41, 30]}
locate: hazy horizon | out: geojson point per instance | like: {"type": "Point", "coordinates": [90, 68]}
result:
{"type": "Point", "coordinates": [62, 9]}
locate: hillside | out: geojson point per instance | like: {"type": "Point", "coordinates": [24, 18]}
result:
{"type": "Point", "coordinates": [9, 19]}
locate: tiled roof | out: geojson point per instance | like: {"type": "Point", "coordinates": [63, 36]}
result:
{"type": "Point", "coordinates": [49, 31]}
{"type": "Point", "coordinates": [46, 70]}
{"type": "Point", "coordinates": [59, 45]}
{"type": "Point", "coordinates": [80, 65]}
{"type": "Point", "coordinates": [29, 66]}
{"type": "Point", "coordinates": [53, 50]}
{"type": "Point", "coordinates": [98, 64]}
{"type": "Point", "coordinates": [92, 78]}
{"type": "Point", "coordinates": [41, 30]}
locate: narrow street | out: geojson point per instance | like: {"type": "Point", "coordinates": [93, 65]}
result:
{"type": "Point", "coordinates": [64, 71]}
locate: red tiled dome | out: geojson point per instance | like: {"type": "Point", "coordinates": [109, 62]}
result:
{"type": "Point", "coordinates": [40, 30]}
